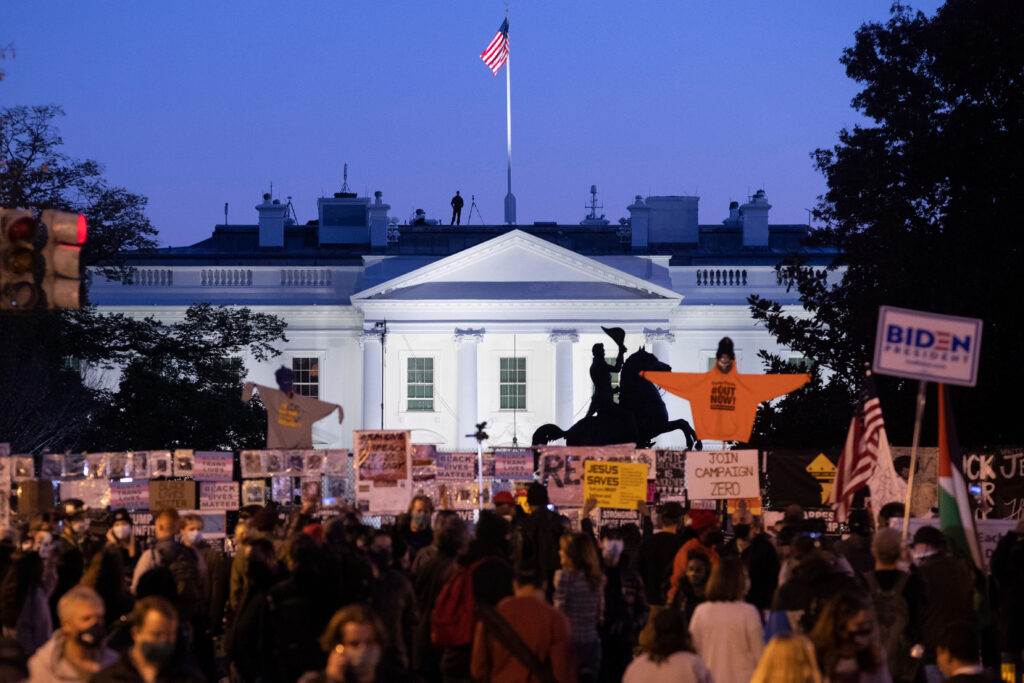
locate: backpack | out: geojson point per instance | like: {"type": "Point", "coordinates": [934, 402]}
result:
{"type": "Point", "coordinates": [453, 619]}
{"type": "Point", "coordinates": [893, 615]}
{"type": "Point", "coordinates": [184, 567]}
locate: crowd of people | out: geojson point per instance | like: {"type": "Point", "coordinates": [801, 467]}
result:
{"type": "Point", "coordinates": [525, 595]}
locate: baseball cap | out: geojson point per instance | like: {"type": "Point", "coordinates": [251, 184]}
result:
{"type": "Point", "coordinates": [504, 498]}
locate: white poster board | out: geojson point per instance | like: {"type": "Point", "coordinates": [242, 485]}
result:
{"type": "Point", "coordinates": [717, 475]}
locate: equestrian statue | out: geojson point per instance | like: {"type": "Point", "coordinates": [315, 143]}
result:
{"type": "Point", "coordinates": [638, 417]}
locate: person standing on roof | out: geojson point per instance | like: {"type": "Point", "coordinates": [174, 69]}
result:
{"type": "Point", "coordinates": [457, 203]}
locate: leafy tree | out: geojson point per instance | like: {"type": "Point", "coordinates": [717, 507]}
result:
{"type": "Point", "coordinates": [922, 203]}
{"type": "Point", "coordinates": [176, 386]}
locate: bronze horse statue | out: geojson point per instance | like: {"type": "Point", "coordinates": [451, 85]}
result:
{"type": "Point", "coordinates": [639, 417]}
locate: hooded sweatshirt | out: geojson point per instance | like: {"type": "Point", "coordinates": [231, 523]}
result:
{"type": "Point", "coordinates": [49, 665]}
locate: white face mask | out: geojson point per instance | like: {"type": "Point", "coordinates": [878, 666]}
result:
{"type": "Point", "coordinates": [612, 547]}
{"type": "Point", "coordinates": [122, 531]}
{"type": "Point", "coordinates": [80, 526]}
{"type": "Point", "coordinates": [363, 660]}
{"type": "Point", "coordinates": [193, 536]}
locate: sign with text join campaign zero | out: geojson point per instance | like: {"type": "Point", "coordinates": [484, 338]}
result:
{"type": "Point", "coordinates": [927, 346]}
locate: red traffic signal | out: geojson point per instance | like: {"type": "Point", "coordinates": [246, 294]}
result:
{"type": "Point", "coordinates": [19, 260]}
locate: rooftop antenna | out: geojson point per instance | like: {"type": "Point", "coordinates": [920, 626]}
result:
{"type": "Point", "coordinates": [593, 205]}
{"type": "Point", "coordinates": [344, 184]}
{"type": "Point", "coordinates": [271, 189]}
{"type": "Point", "coordinates": [225, 213]}
{"type": "Point", "coordinates": [474, 207]}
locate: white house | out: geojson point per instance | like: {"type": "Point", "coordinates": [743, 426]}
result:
{"type": "Point", "coordinates": [435, 328]}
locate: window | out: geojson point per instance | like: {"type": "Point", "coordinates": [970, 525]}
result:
{"type": "Point", "coordinates": [307, 376]}
{"type": "Point", "coordinates": [800, 362]}
{"type": "Point", "coordinates": [512, 384]}
{"type": "Point", "coordinates": [420, 384]}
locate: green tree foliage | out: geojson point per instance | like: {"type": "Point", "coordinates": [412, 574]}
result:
{"type": "Point", "coordinates": [178, 384]}
{"type": "Point", "coordinates": [922, 202]}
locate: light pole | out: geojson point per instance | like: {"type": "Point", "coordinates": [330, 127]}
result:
{"type": "Point", "coordinates": [382, 325]}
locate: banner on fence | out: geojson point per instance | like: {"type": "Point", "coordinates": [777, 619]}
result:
{"type": "Point", "coordinates": [218, 495]}
{"type": "Point", "coordinates": [718, 475]}
{"type": "Point", "coordinates": [619, 485]}
{"type": "Point", "coordinates": [214, 466]}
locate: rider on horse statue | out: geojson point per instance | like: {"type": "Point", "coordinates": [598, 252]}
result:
{"type": "Point", "coordinates": [602, 402]}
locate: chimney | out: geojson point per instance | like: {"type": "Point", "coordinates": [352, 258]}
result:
{"type": "Point", "coordinates": [378, 217]}
{"type": "Point", "coordinates": [272, 215]}
{"type": "Point", "coordinates": [639, 216]}
{"type": "Point", "coordinates": [754, 218]}
{"type": "Point", "coordinates": [673, 220]}
{"type": "Point", "coordinates": [734, 215]}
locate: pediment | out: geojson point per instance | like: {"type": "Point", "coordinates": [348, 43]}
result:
{"type": "Point", "coordinates": [516, 265]}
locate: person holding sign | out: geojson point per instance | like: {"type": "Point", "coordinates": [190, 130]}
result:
{"type": "Point", "coordinates": [290, 416]}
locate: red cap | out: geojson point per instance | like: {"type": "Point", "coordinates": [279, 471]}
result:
{"type": "Point", "coordinates": [504, 498]}
{"type": "Point", "coordinates": [701, 519]}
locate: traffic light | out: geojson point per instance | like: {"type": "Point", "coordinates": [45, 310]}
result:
{"type": "Point", "coordinates": [66, 233]}
{"type": "Point", "coordinates": [20, 260]}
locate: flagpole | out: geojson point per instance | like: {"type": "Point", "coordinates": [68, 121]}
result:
{"type": "Point", "coordinates": [921, 388]}
{"type": "Point", "coordinates": [510, 199]}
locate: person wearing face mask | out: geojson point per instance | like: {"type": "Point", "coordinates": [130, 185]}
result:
{"type": "Point", "coordinates": [709, 535]}
{"type": "Point", "coordinates": [625, 606]}
{"type": "Point", "coordinates": [393, 597]}
{"type": "Point", "coordinates": [153, 656]}
{"type": "Point", "coordinates": [415, 528]}
{"type": "Point", "coordinates": [758, 554]}
{"type": "Point", "coordinates": [75, 651]}
{"type": "Point", "coordinates": [24, 600]}
{"type": "Point", "coordinates": [354, 642]}
{"type": "Point", "coordinates": [70, 549]}
{"type": "Point", "coordinates": [121, 536]}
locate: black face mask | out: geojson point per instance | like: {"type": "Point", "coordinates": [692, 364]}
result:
{"type": "Point", "coordinates": [715, 538]}
{"type": "Point", "coordinates": [92, 637]}
{"type": "Point", "coordinates": [742, 531]}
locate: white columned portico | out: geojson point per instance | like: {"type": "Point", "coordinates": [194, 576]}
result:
{"type": "Point", "coordinates": [371, 344]}
{"type": "Point", "coordinates": [659, 341]}
{"type": "Point", "coordinates": [467, 341]}
{"type": "Point", "coordinates": [564, 406]}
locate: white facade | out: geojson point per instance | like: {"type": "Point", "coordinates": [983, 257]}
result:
{"type": "Point", "coordinates": [515, 295]}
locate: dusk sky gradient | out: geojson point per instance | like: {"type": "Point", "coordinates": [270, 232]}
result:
{"type": "Point", "coordinates": [194, 104]}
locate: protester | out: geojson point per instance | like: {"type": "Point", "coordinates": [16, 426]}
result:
{"type": "Point", "coordinates": [625, 606]}
{"type": "Point", "coordinates": [76, 651]}
{"type": "Point", "coordinates": [759, 556]}
{"type": "Point", "coordinates": [247, 641]}
{"type": "Point", "coordinates": [788, 659]}
{"type": "Point", "coordinates": [1007, 566]}
{"type": "Point", "coordinates": [669, 657]}
{"type": "Point", "coordinates": [24, 599]}
{"type": "Point", "coordinates": [889, 513]}
{"type": "Point", "coordinates": [709, 535]}
{"type": "Point", "coordinates": [815, 579]}
{"type": "Point", "coordinates": [106, 575]}
{"type": "Point", "coordinates": [393, 599]}
{"type": "Point", "coordinates": [654, 562]}
{"type": "Point", "coordinates": [122, 537]}
{"type": "Point", "coordinates": [70, 549]}
{"type": "Point", "coordinates": [579, 594]}
{"type": "Point", "coordinates": [151, 658]}
{"type": "Point", "coordinates": [947, 591]}
{"type": "Point", "coordinates": [524, 638]}
{"type": "Point", "coordinates": [535, 537]}
{"type": "Point", "coordinates": [726, 630]}
{"type": "Point", "coordinates": [894, 596]}
{"type": "Point", "coordinates": [857, 547]}
{"type": "Point", "coordinates": [354, 642]}
{"type": "Point", "coordinates": [253, 522]}
{"type": "Point", "coordinates": [449, 540]}
{"type": "Point", "coordinates": [846, 641]}
{"type": "Point", "coordinates": [415, 528]}
{"type": "Point", "coordinates": [958, 654]}
{"type": "Point", "coordinates": [505, 506]}
{"type": "Point", "coordinates": [692, 587]}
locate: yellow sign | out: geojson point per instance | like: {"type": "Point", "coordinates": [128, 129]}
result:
{"type": "Point", "coordinates": [822, 469]}
{"type": "Point", "coordinates": [615, 484]}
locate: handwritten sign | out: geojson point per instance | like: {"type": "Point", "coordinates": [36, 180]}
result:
{"type": "Point", "coordinates": [180, 495]}
{"type": "Point", "coordinates": [927, 346]}
{"type": "Point", "coordinates": [717, 475]}
{"type": "Point", "coordinates": [670, 479]}
{"type": "Point", "coordinates": [1000, 474]}
{"type": "Point", "coordinates": [382, 455]}
{"type": "Point", "coordinates": [218, 495]}
{"type": "Point", "coordinates": [615, 484]}
{"type": "Point", "coordinates": [513, 464]}
{"type": "Point", "coordinates": [131, 495]}
{"type": "Point", "coordinates": [214, 466]}
{"type": "Point", "coordinates": [456, 466]}
{"type": "Point", "coordinates": [561, 469]}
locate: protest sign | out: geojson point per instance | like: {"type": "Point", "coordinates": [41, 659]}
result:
{"type": "Point", "coordinates": [717, 475]}
{"type": "Point", "coordinates": [999, 475]}
{"type": "Point", "coordinates": [23, 468]}
{"type": "Point", "coordinates": [383, 497]}
{"type": "Point", "coordinates": [455, 466]}
{"type": "Point", "coordinates": [282, 489]}
{"type": "Point", "coordinates": [74, 465]}
{"type": "Point", "coordinates": [96, 465]}
{"type": "Point", "coordinates": [177, 494]}
{"type": "Point", "coordinates": [95, 493]}
{"type": "Point", "coordinates": [52, 466]}
{"type": "Point", "coordinates": [313, 465]}
{"type": "Point", "coordinates": [561, 469]}
{"type": "Point", "coordinates": [184, 463]}
{"type": "Point", "coordinates": [799, 477]}
{"type": "Point", "coordinates": [382, 455]}
{"type": "Point", "coordinates": [336, 462]}
{"type": "Point", "coordinates": [513, 463]}
{"type": "Point", "coordinates": [118, 466]}
{"type": "Point", "coordinates": [254, 492]}
{"type": "Point", "coordinates": [989, 531]}
{"type": "Point", "coordinates": [5, 471]}
{"type": "Point", "coordinates": [927, 346]}
{"type": "Point", "coordinates": [618, 485]}
{"type": "Point", "coordinates": [131, 495]}
{"type": "Point", "coordinates": [616, 518]}
{"type": "Point", "coordinates": [218, 495]}
{"type": "Point", "coordinates": [159, 464]}
{"type": "Point", "coordinates": [670, 476]}
{"type": "Point", "coordinates": [311, 489]}
{"type": "Point", "coordinates": [214, 466]}
{"type": "Point", "coordinates": [253, 464]}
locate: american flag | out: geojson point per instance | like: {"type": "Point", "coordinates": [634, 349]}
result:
{"type": "Point", "coordinates": [866, 459]}
{"type": "Point", "coordinates": [496, 53]}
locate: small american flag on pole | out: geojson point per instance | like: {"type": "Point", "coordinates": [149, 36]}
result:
{"type": "Point", "coordinates": [866, 459]}
{"type": "Point", "coordinates": [496, 53]}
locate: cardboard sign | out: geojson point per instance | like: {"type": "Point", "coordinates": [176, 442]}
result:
{"type": "Point", "coordinates": [512, 464]}
{"type": "Point", "coordinates": [253, 464]}
{"type": "Point", "coordinates": [670, 480]}
{"type": "Point", "coordinates": [928, 346]}
{"type": "Point", "coordinates": [95, 493]}
{"type": "Point", "coordinates": [456, 466]}
{"type": "Point", "coordinates": [218, 495]}
{"type": "Point", "coordinates": [717, 475]}
{"type": "Point", "coordinates": [180, 495]}
{"type": "Point", "coordinates": [382, 455]}
{"type": "Point", "coordinates": [130, 495]}
{"type": "Point", "coordinates": [34, 496]}
{"type": "Point", "coordinates": [619, 485]}
{"type": "Point", "coordinates": [214, 466]}
{"type": "Point", "coordinates": [561, 469]}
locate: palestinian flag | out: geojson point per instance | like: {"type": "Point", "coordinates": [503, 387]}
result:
{"type": "Point", "coordinates": [956, 516]}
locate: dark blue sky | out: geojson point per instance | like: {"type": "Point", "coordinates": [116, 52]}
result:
{"type": "Point", "coordinates": [194, 104]}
